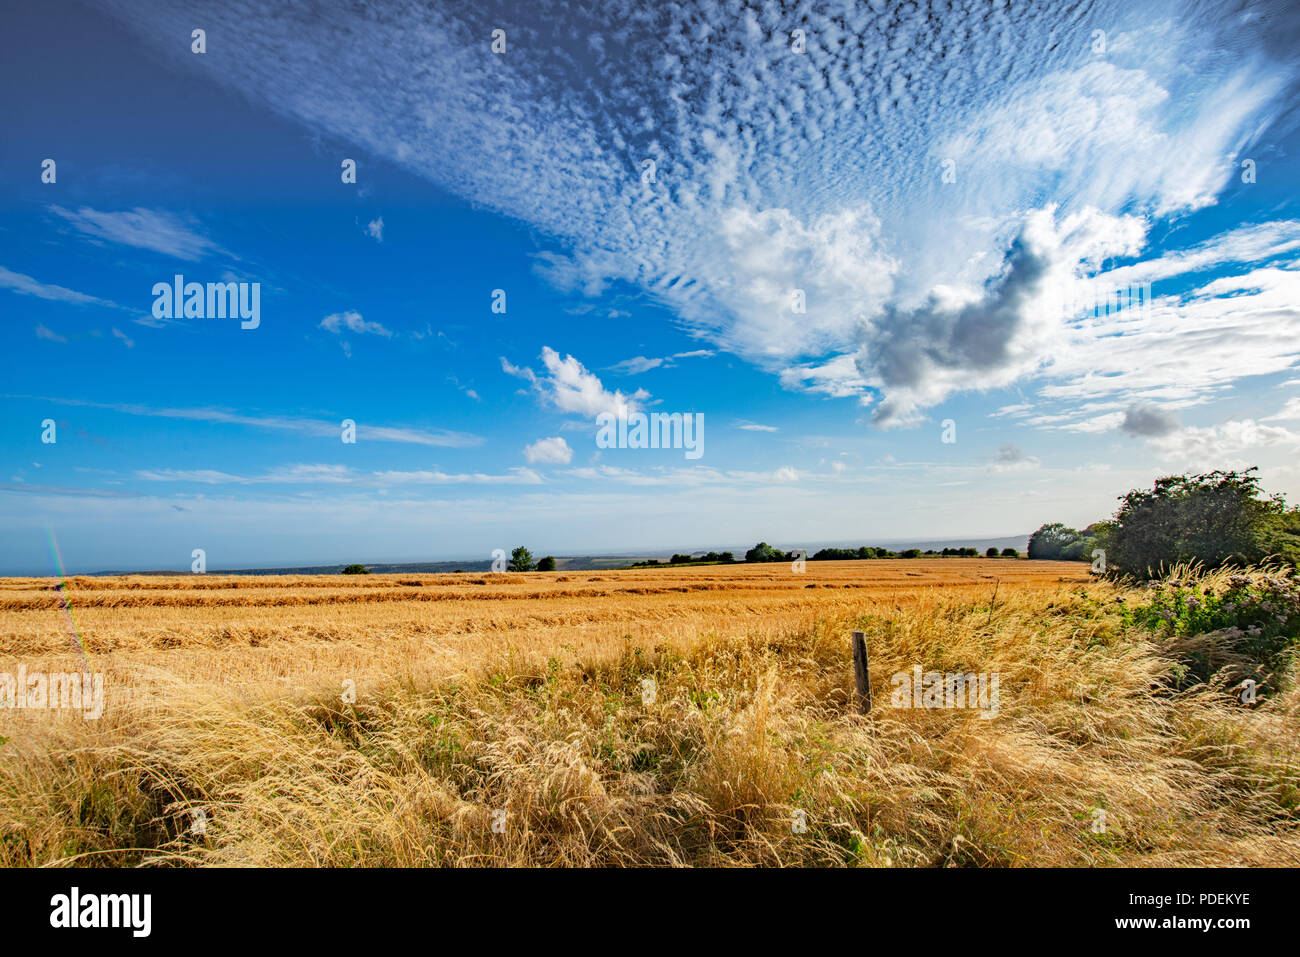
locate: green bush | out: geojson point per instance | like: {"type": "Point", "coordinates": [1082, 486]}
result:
{"type": "Point", "coordinates": [1216, 519]}
{"type": "Point", "coordinates": [1251, 620]}
{"type": "Point", "coordinates": [356, 570]}
{"type": "Point", "coordinates": [763, 552]}
{"type": "Point", "coordinates": [547, 564]}
{"type": "Point", "coordinates": [1078, 550]}
{"type": "Point", "coordinates": [1050, 540]}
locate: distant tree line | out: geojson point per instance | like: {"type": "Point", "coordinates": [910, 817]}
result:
{"type": "Point", "coordinates": [763, 552]}
{"type": "Point", "coordinates": [1217, 519]}
{"type": "Point", "coordinates": [708, 558]}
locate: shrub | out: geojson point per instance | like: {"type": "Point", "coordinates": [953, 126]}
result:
{"type": "Point", "coordinates": [992, 552]}
{"type": "Point", "coordinates": [1010, 553]}
{"type": "Point", "coordinates": [356, 570]}
{"type": "Point", "coordinates": [911, 553]}
{"type": "Point", "coordinates": [547, 564]}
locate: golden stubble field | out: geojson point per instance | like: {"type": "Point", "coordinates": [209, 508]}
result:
{"type": "Point", "coordinates": [392, 719]}
{"type": "Point", "coordinates": [249, 628]}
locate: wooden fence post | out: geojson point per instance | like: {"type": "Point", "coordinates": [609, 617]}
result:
{"type": "Point", "coordinates": [861, 672]}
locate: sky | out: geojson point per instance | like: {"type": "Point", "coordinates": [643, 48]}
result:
{"type": "Point", "coordinates": [874, 245]}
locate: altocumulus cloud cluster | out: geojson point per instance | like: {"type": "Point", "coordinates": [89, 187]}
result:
{"type": "Point", "coordinates": [774, 170]}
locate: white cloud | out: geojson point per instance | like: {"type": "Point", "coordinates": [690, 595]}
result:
{"type": "Point", "coordinates": [552, 451]}
{"type": "Point", "coordinates": [352, 321]}
{"type": "Point", "coordinates": [1187, 346]}
{"type": "Point", "coordinates": [314, 427]}
{"type": "Point", "coordinates": [375, 229]}
{"type": "Point", "coordinates": [838, 377]}
{"type": "Point", "coordinates": [1288, 413]}
{"type": "Point", "coordinates": [569, 387]}
{"type": "Point", "coordinates": [156, 230]}
{"type": "Point", "coordinates": [1233, 444]}
{"type": "Point", "coordinates": [1016, 411]}
{"type": "Point", "coordinates": [27, 286]}
{"type": "Point", "coordinates": [639, 364]}
{"type": "Point", "coordinates": [313, 474]}
{"type": "Point", "coordinates": [636, 365]}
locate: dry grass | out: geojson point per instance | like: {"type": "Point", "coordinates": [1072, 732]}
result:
{"type": "Point", "coordinates": [523, 693]}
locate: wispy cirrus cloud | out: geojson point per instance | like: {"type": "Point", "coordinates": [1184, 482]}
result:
{"type": "Point", "coordinates": [639, 364]}
{"type": "Point", "coordinates": [156, 230]}
{"type": "Point", "coordinates": [27, 286]}
{"type": "Point", "coordinates": [306, 426]}
{"type": "Point", "coordinates": [320, 474]}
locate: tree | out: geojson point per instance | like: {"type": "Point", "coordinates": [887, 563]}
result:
{"type": "Point", "coordinates": [1216, 518]}
{"type": "Point", "coordinates": [992, 552]}
{"type": "Point", "coordinates": [547, 564]}
{"type": "Point", "coordinates": [910, 553]}
{"type": "Point", "coordinates": [1010, 553]}
{"type": "Point", "coordinates": [356, 570]}
{"type": "Point", "coordinates": [763, 552]}
{"type": "Point", "coordinates": [1050, 540]}
{"type": "Point", "coordinates": [521, 560]}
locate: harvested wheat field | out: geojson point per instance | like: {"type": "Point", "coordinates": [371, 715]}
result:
{"type": "Point", "coordinates": [685, 716]}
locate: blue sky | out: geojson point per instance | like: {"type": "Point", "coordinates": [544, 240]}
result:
{"type": "Point", "coordinates": [936, 184]}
